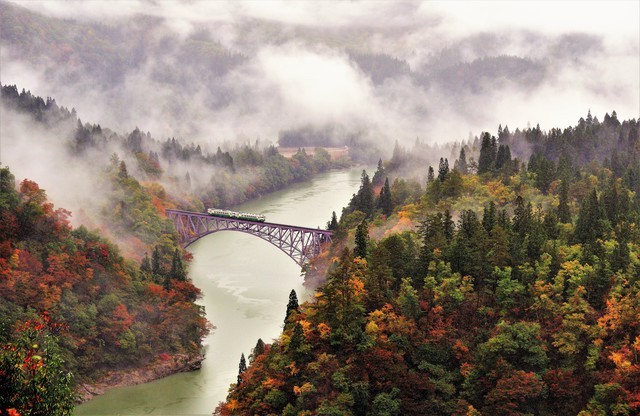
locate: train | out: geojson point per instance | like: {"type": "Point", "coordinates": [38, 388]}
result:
{"type": "Point", "coordinates": [225, 213]}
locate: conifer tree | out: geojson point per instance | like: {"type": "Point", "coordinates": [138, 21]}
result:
{"type": "Point", "coordinates": [443, 169]}
{"type": "Point", "coordinates": [489, 217]}
{"type": "Point", "coordinates": [430, 175]}
{"type": "Point", "coordinates": [385, 202]}
{"type": "Point", "coordinates": [145, 265]}
{"type": "Point", "coordinates": [258, 350]}
{"type": "Point", "coordinates": [292, 305]}
{"type": "Point", "coordinates": [332, 225]}
{"type": "Point", "coordinates": [461, 163]}
{"type": "Point", "coordinates": [379, 175]}
{"type": "Point", "coordinates": [361, 239]}
{"type": "Point", "coordinates": [177, 269]}
{"type": "Point", "coordinates": [589, 225]}
{"type": "Point", "coordinates": [564, 215]}
{"type": "Point", "coordinates": [365, 198]}
{"type": "Point", "coordinates": [155, 261]}
{"type": "Point", "coordinates": [487, 158]}
{"type": "Point", "coordinates": [242, 367]}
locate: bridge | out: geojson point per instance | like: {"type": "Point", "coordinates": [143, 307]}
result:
{"type": "Point", "coordinates": [299, 243]}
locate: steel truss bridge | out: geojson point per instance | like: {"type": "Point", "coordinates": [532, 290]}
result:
{"type": "Point", "coordinates": [299, 243]}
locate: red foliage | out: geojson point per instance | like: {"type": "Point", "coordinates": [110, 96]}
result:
{"type": "Point", "coordinates": [512, 392]}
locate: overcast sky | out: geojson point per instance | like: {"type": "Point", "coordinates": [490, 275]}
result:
{"type": "Point", "coordinates": [298, 82]}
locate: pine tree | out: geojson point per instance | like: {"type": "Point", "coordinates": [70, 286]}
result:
{"type": "Point", "coordinates": [292, 305]}
{"type": "Point", "coordinates": [487, 158]}
{"type": "Point", "coordinates": [443, 169]}
{"type": "Point", "coordinates": [361, 239]}
{"type": "Point", "coordinates": [155, 261]}
{"type": "Point", "coordinates": [365, 196]}
{"type": "Point", "coordinates": [379, 175]}
{"type": "Point", "coordinates": [385, 202]}
{"type": "Point", "coordinates": [564, 215]}
{"type": "Point", "coordinates": [332, 225]}
{"type": "Point", "coordinates": [589, 225]}
{"type": "Point", "coordinates": [242, 367]}
{"type": "Point", "coordinates": [430, 175]}
{"type": "Point", "coordinates": [448, 225]}
{"type": "Point", "coordinates": [177, 269]}
{"type": "Point", "coordinates": [461, 163]}
{"type": "Point", "coordinates": [257, 351]}
{"type": "Point", "coordinates": [489, 217]}
{"type": "Point", "coordinates": [145, 265]}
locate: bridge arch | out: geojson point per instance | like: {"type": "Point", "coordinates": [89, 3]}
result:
{"type": "Point", "coordinates": [301, 244]}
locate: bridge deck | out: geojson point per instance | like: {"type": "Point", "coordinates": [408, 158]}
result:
{"type": "Point", "coordinates": [275, 224]}
{"type": "Point", "coordinates": [299, 243]}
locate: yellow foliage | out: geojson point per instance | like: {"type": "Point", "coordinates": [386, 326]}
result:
{"type": "Point", "coordinates": [306, 326]}
{"type": "Point", "coordinates": [293, 370]}
{"type": "Point", "coordinates": [304, 389]}
{"type": "Point", "coordinates": [620, 360]}
{"type": "Point", "coordinates": [272, 383]}
{"type": "Point", "coordinates": [357, 286]}
{"type": "Point", "coordinates": [324, 330]}
{"type": "Point", "coordinates": [232, 405]}
{"type": "Point", "coordinates": [371, 328]}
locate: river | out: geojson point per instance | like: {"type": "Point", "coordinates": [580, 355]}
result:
{"type": "Point", "coordinates": [245, 283]}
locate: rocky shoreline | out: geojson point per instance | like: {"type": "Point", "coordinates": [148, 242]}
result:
{"type": "Point", "coordinates": [160, 368]}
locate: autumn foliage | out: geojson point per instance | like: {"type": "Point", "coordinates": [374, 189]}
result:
{"type": "Point", "coordinates": [115, 314]}
{"type": "Point", "coordinates": [474, 300]}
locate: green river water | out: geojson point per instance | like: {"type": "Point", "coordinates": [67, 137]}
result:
{"type": "Point", "coordinates": [246, 283]}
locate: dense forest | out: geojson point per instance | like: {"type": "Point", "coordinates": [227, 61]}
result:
{"type": "Point", "coordinates": [503, 287]}
{"type": "Point", "coordinates": [76, 303]}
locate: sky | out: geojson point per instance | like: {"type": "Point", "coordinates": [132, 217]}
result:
{"type": "Point", "coordinates": [298, 71]}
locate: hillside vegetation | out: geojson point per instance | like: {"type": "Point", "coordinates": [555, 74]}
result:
{"type": "Point", "coordinates": [502, 288]}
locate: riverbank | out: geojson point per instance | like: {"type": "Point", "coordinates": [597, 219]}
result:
{"type": "Point", "coordinates": [162, 367]}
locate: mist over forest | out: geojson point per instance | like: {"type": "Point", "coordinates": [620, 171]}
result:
{"type": "Point", "coordinates": [508, 173]}
{"type": "Point", "coordinates": [215, 72]}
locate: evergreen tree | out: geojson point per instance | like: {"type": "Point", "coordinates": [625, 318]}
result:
{"type": "Point", "coordinates": [297, 339]}
{"type": "Point", "coordinates": [522, 217]}
{"type": "Point", "coordinates": [122, 170]}
{"type": "Point", "coordinates": [461, 163]}
{"type": "Point", "coordinates": [242, 367]}
{"type": "Point", "coordinates": [292, 305]}
{"type": "Point", "coordinates": [258, 350]}
{"type": "Point", "coordinates": [486, 161]}
{"type": "Point", "coordinates": [443, 169]}
{"type": "Point", "coordinates": [332, 225]}
{"type": "Point", "coordinates": [489, 217]}
{"type": "Point", "coordinates": [365, 196]}
{"type": "Point", "coordinates": [145, 265]}
{"type": "Point", "coordinates": [385, 201]}
{"type": "Point", "coordinates": [361, 239]}
{"type": "Point", "coordinates": [430, 175]}
{"type": "Point", "coordinates": [448, 225]}
{"type": "Point", "coordinates": [155, 261]}
{"type": "Point", "coordinates": [380, 174]}
{"type": "Point", "coordinates": [177, 269]}
{"type": "Point", "coordinates": [564, 215]}
{"type": "Point", "coordinates": [589, 225]}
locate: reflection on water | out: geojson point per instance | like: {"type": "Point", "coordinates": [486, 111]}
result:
{"type": "Point", "coordinates": [246, 283]}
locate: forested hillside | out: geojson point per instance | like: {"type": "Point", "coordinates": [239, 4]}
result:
{"type": "Point", "coordinates": [503, 287]}
{"type": "Point", "coordinates": [83, 304]}
{"type": "Point", "coordinates": [109, 312]}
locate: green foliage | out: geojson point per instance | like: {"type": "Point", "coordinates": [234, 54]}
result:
{"type": "Point", "coordinates": [361, 240]}
{"type": "Point", "coordinates": [33, 379]}
{"type": "Point", "coordinates": [515, 312]}
{"type": "Point", "coordinates": [292, 306]}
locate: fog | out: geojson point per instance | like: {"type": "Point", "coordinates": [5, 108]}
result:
{"type": "Point", "coordinates": [214, 72]}
{"type": "Point", "coordinates": [294, 66]}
